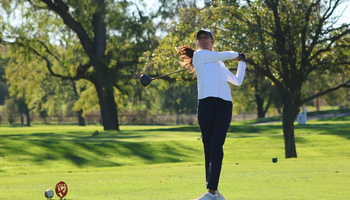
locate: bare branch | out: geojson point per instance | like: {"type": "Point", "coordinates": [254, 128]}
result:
{"type": "Point", "coordinates": [332, 40]}
{"type": "Point", "coordinates": [234, 14]}
{"type": "Point", "coordinates": [158, 12]}
{"type": "Point", "coordinates": [335, 21]}
{"type": "Point", "coordinates": [326, 32]}
{"type": "Point", "coordinates": [49, 65]}
{"type": "Point", "coordinates": [331, 9]}
{"type": "Point", "coordinates": [61, 9]}
{"type": "Point", "coordinates": [140, 13]}
{"type": "Point", "coordinates": [48, 51]}
{"type": "Point", "coordinates": [249, 2]}
{"type": "Point", "coordinates": [345, 84]}
{"type": "Point", "coordinates": [35, 6]}
{"type": "Point", "coordinates": [335, 37]}
{"type": "Point", "coordinates": [327, 14]}
{"type": "Point", "coordinates": [261, 38]}
{"type": "Point", "coordinates": [304, 31]}
{"type": "Point", "coordinates": [61, 5]}
{"type": "Point", "coordinates": [81, 70]}
{"type": "Point", "coordinates": [280, 40]}
{"type": "Point", "coordinates": [266, 71]}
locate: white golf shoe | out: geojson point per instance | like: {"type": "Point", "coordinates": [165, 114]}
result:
{"type": "Point", "coordinates": [205, 197]}
{"type": "Point", "coordinates": [219, 195]}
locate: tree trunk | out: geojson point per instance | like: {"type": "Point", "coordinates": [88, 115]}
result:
{"type": "Point", "coordinates": [288, 118]}
{"type": "Point", "coordinates": [27, 117]}
{"type": "Point", "coordinates": [108, 106]}
{"type": "Point", "coordinates": [317, 104]}
{"type": "Point", "coordinates": [81, 119]}
{"type": "Point", "coordinates": [260, 106]}
{"type": "Point", "coordinates": [22, 119]}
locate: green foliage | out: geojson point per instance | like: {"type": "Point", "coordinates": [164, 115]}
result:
{"type": "Point", "coordinates": [40, 89]}
{"type": "Point", "coordinates": [100, 42]}
{"type": "Point", "coordinates": [181, 99]}
{"type": "Point", "coordinates": [168, 94]}
{"type": "Point", "coordinates": [286, 41]}
{"type": "Point", "coordinates": [228, 36]}
{"type": "Point", "coordinates": [4, 59]}
{"type": "Point", "coordinates": [11, 110]}
{"type": "Point", "coordinates": [253, 28]}
{"type": "Point", "coordinates": [3, 92]}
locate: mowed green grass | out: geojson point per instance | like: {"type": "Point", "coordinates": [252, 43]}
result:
{"type": "Point", "coordinates": [166, 162]}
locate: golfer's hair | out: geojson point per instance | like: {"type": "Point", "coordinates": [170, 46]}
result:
{"type": "Point", "coordinates": [187, 55]}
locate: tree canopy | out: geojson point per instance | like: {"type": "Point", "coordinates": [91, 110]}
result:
{"type": "Point", "coordinates": [97, 41]}
{"type": "Point", "coordinates": [288, 42]}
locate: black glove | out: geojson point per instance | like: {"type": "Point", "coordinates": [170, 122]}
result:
{"type": "Point", "coordinates": [241, 56]}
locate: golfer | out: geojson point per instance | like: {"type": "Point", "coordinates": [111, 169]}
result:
{"type": "Point", "coordinates": [214, 102]}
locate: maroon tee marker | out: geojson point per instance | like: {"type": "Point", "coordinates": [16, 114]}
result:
{"type": "Point", "coordinates": [61, 189]}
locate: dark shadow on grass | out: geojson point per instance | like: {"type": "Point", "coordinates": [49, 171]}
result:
{"type": "Point", "coordinates": [301, 140]}
{"type": "Point", "coordinates": [180, 128]}
{"type": "Point", "coordinates": [93, 153]}
{"type": "Point", "coordinates": [81, 149]}
{"type": "Point", "coordinates": [341, 130]}
{"type": "Point", "coordinates": [343, 118]}
{"type": "Point", "coordinates": [42, 134]}
{"type": "Point", "coordinates": [232, 129]}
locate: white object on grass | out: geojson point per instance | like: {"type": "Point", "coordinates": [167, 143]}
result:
{"type": "Point", "coordinates": [49, 193]}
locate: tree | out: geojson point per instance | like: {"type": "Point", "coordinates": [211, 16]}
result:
{"type": "Point", "coordinates": [99, 41]}
{"type": "Point", "coordinates": [79, 113]}
{"type": "Point", "coordinates": [286, 42]}
{"type": "Point", "coordinates": [179, 99]}
{"type": "Point", "coordinates": [23, 111]}
{"type": "Point", "coordinates": [319, 81]}
{"type": "Point", "coordinates": [11, 110]}
{"type": "Point", "coordinates": [3, 86]}
{"type": "Point", "coordinates": [35, 90]}
{"type": "Point", "coordinates": [295, 39]}
{"type": "Point", "coordinates": [257, 92]}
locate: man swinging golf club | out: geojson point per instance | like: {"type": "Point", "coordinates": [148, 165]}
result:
{"type": "Point", "coordinates": [214, 102]}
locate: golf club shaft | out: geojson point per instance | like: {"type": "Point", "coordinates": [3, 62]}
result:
{"type": "Point", "coordinates": [171, 73]}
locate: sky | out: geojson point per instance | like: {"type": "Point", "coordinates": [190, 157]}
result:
{"type": "Point", "coordinates": [344, 19]}
{"type": "Point", "coordinates": [153, 5]}
{"type": "Point", "coordinates": [346, 15]}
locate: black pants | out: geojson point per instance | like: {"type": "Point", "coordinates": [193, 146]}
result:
{"type": "Point", "coordinates": [214, 118]}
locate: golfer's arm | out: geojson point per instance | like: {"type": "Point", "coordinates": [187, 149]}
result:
{"type": "Point", "coordinates": [213, 56]}
{"type": "Point", "coordinates": [238, 78]}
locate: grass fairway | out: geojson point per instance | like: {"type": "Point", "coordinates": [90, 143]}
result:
{"type": "Point", "coordinates": [166, 162]}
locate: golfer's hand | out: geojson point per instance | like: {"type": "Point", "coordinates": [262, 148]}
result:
{"type": "Point", "coordinates": [241, 57]}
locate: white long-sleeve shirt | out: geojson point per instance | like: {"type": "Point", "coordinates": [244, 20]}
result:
{"type": "Point", "coordinates": [213, 76]}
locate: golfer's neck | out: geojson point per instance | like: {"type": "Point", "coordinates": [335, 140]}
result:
{"type": "Point", "coordinates": [210, 49]}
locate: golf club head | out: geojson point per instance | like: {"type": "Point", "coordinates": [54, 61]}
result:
{"type": "Point", "coordinates": [145, 80]}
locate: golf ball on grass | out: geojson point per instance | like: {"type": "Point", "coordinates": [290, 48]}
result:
{"type": "Point", "coordinates": [48, 193]}
{"type": "Point", "coordinates": [274, 159]}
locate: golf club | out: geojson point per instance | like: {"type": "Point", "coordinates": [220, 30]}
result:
{"type": "Point", "coordinates": [146, 80]}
